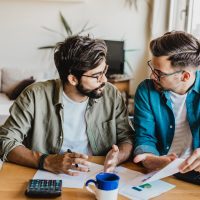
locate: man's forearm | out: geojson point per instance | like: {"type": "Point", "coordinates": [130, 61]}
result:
{"type": "Point", "coordinates": [23, 156]}
{"type": "Point", "coordinates": [125, 151]}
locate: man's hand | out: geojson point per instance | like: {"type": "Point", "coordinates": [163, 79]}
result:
{"type": "Point", "coordinates": [62, 163]}
{"type": "Point", "coordinates": [153, 162]}
{"type": "Point", "coordinates": [111, 160]}
{"type": "Point", "coordinates": [191, 163]}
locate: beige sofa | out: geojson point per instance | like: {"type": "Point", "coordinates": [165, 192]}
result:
{"type": "Point", "coordinates": [10, 78]}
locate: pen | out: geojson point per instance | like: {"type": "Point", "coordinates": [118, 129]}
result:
{"type": "Point", "coordinates": [69, 151]}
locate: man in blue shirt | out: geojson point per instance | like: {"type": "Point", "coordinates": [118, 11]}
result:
{"type": "Point", "coordinates": [167, 106]}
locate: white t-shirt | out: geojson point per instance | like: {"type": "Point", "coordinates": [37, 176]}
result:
{"type": "Point", "coordinates": [182, 141]}
{"type": "Point", "coordinates": [75, 136]}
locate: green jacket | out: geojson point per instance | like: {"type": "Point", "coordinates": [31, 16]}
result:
{"type": "Point", "coordinates": [36, 120]}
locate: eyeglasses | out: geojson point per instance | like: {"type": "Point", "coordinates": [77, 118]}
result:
{"type": "Point", "coordinates": [158, 74]}
{"type": "Point", "coordinates": [98, 75]}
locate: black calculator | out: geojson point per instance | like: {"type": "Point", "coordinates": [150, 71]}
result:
{"type": "Point", "coordinates": [44, 188]}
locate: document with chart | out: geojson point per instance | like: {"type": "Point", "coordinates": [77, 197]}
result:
{"type": "Point", "coordinates": [128, 178]}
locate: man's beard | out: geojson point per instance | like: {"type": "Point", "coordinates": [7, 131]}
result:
{"type": "Point", "coordinates": [159, 87]}
{"type": "Point", "coordinates": [90, 93]}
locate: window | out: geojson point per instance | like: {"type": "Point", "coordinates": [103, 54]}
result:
{"type": "Point", "coordinates": [194, 18]}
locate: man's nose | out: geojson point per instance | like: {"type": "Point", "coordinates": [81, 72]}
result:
{"type": "Point", "coordinates": [104, 79]}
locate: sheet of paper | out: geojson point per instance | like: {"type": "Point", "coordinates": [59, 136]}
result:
{"type": "Point", "coordinates": [67, 181]}
{"type": "Point", "coordinates": [143, 191]}
{"type": "Point", "coordinates": [125, 174]}
{"type": "Point", "coordinates": [147, 190]}
{"type": "Point", "coordinates": [71, 181]}
{"type": "Point", "coordinates": [94, 169]}
{"type": "Point", "coordinates": [169, 170]}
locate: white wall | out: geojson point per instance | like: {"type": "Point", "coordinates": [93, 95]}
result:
{"type": "Point", "coordinates": [21, 32]}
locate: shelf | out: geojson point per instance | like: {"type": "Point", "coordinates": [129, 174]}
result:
{"type": "Point", "coordinates": [65, 1]}
{"type": "Point", "coordinates": [122, 79]}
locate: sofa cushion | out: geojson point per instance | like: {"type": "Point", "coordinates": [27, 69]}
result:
{"type": "Point", "coordinates": [0, 80]}
{"type": "Point", "coordinates": [4, 107]}
{"type": "Point", "coordinates": [20, 87]}
{"type": "Point", "coordinates": [4, 99]}
{"type": "Point", "coordinates": [11, 77]}
{"type": "Point", "coordinates": [5, 104]}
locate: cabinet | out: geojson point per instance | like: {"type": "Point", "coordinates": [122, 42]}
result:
{"type": "Point", "coordinates": [121, 83]}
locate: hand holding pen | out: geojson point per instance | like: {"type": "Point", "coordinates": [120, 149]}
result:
{"type": "Point", "coordinates": [69, 163]}
{"type": "Point", "coordinates": [69, 151]}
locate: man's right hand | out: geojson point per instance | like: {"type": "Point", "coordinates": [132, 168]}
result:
{"type": "Point", "coordinates": [152, 162]}
{"type": "Point", "coordinates": [62, 163]}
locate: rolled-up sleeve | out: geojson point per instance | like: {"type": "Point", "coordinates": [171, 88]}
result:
{"type": "Point", "coordinates": [18, 124]}
{"type": "Point", "coordinates": [124, 127]}
{"type": "Point", "coordinates": [144, 123]}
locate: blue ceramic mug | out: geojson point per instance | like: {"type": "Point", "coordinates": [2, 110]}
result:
{"type": "Point", "coordinates": [106, 186]}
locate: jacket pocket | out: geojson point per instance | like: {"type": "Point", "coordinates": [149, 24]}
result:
{"type": "Point", "coordinates": [108, 133]}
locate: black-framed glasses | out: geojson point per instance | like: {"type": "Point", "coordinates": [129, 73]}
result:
{"type": "Point", "coordinates": [158, 74]}
{"type": "Point", "coordinates": [98, 75]}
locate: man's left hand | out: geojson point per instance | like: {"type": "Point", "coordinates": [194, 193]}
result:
{"type": "Point", "coordinates": [191, 163]}
{"type": "Point", "coordinates": [111, 160]}
{"type": "Point", "coordinates": [153, 162]}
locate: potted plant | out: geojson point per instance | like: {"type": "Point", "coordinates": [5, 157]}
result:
{"type": "Point", "coordinates": [68, 31]}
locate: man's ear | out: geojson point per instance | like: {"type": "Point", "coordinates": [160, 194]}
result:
{"type": "Point", "coordinates": [72, 79]}
{"type": "Point", "coordinates": [186, 76]}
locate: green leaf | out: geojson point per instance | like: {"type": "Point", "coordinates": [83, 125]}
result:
{"type": "Point", "coordinates": [53, 31]}
{"type": "Point", "coordinates": [65, 24]}
{"type": "Point", "coordinates": [47, 47]}
{"type": "Point", "coordinates": [85, 28]}
{"type": "Point", "coordinates": [67, 29]}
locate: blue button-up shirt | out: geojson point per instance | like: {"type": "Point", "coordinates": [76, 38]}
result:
{"type": "Point", "coordinates": [154, 120]}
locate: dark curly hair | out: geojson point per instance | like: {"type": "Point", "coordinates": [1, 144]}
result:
{"type": "Point", "coordinates": [77, 55]}
{"type": "Point", "coordinates": [182, 48]}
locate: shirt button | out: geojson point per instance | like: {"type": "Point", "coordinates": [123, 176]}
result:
{"type": "Point", "coordinates": [170, 126]}
{"type": "Point", "coordinates": [61, 137]}
{"type": "Point", "coordinates": [167, 147]}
